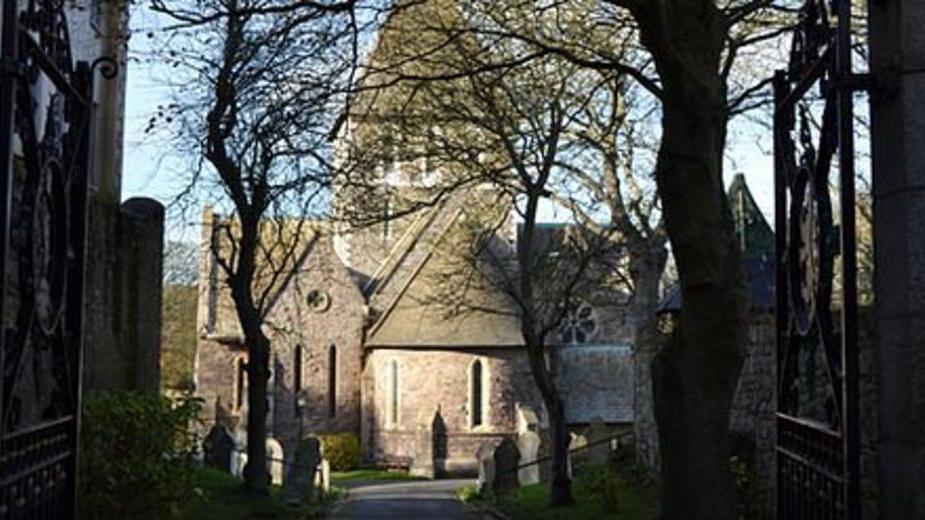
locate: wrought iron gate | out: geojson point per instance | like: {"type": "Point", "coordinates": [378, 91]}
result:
{"type": "Point", "coordinates": [45, 112]}
{"type": "Point", "coordinates": [817, 410]}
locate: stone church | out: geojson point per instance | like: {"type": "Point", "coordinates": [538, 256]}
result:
{"type": "Point", "coordinates": [366, 347]}
{"type": "Point", "coordinates": [364, 339]}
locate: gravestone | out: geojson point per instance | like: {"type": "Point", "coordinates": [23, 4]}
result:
{"type": "Point", "coordinates": [218, 448]}
{"type": "Point", "coordinates": [507, 459]}
{"type": "Point", "coordinates": [596, 436]}
{"type": "Point", "coordinates": [238, 461]}
{"type": "Point", "coordinates": [275, 458]}
{"type": "Point", "coordinates": [528, 443]}
{"type": "Point", "coordinates": [423, 463]}
{"type": "Point", "coordinates": [301, 476]}
{"type": "Point", "coordinates": [527, 418]}
{"type": "Point", "coordinates": [486, 461]}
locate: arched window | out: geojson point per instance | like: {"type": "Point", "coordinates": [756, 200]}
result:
{"type": "Point", "coordinates": [393, 403]}
{"type": "Point", "coordinates": [297, 376]}
{"type": "Point", "coordinates": [332, 381]}
{"type": "Point", "coordinates": [476, 394]}
{"type": "Point", "coordinates": [240, 381]}
{"type": "Point", "coordinates": [297, 369]}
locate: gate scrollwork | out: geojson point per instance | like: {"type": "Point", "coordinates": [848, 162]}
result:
{"type": "Point", "coordinates": [45, 120]}
{"type": "Point", "coordinates": [817, 416]}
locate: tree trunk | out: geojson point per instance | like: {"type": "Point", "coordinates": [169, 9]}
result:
{"type": "Point", "coordinates": [560, 491]}
{"type": "Point", "coordinates": [646, 266]}
{"type": "Point", "coordinates": [258, 374]}
{"type": "Point", "coordinates": [694, 377]}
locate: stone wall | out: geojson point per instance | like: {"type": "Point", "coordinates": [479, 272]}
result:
{"type": "Point", "coordinates": [596, 381]}
{"type": "Point", "coordinates": [753, 408]}
{"type": "Point", "coordinates": [439, 380]}
{"type": "Point", "coordinates": [123, 298]}
{"type": "Point", "coordinates": [292, 324]}
{"type": "Point", "coordinates": [752, 417]}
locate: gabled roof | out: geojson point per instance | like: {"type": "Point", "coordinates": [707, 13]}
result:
{"type": "Point", "coordinates": [756, 243]}
{"type": "Point", "coordinates": [416, 318]}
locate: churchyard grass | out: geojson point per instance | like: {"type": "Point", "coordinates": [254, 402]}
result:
{"type": "Point", "coordinates": [372, 474]}
{"type": "Point", "coordinates": [225, 498]}
{"type": "Point", "coordinates": [636, 499]}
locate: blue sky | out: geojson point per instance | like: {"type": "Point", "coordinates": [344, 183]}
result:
{"type": "Point", "coordinates": [148, 170]}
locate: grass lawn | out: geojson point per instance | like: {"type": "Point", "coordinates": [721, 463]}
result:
{"type": "Point", "coordinates": [371, 474]}
{"type": "Point", "coordinates": [635, 501]}
{"type": "Point", "coordinates": [224, 498]}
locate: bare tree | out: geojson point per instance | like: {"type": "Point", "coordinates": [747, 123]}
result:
{"type": "Point", "coordinates": [483, 120]}
{"type": "Point", "coordinates": [689, 58]}
{"type": "Point", "coordinates": [181, 263]}
{"type": "Point", "coordinates": [258, 86]}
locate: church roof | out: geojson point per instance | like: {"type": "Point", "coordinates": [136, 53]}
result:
{"type": "Point", "coordinates": [756, 242]}
{"type": "Point", "coordinates": [421, 316]}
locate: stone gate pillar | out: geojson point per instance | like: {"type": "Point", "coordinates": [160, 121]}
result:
{"type": "Point", "coordinates": [897, 49]}
{"type": "Point", "coordinates": [140, 260]}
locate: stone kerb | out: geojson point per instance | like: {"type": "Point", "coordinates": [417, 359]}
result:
{"type": "Point", "coordinates": [507, 460]}
{"type": "Point", "coordinates": [218, 448]}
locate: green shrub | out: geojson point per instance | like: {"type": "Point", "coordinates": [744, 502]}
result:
{"type": "Point", "coordinates": [469, 493]}
{"type": "Point", "coordinates": [137, 455]}
{"type": "Point", "coordinates": [342, 450]}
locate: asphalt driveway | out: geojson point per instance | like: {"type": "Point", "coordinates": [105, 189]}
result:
{"type": "Point", "coordinates": [423, 499]}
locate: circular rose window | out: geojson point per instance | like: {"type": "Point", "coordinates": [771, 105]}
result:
{"type": "Point", "coordinates": [579, 325]}
{"type": "Point", "coordinates": [318, 300]}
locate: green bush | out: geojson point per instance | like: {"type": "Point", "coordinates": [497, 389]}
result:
{"type": "Point", "coordinates": [469, 493]}
{"type": "Point", "coordinates": [342, 450]}
{"type": "Point", "coordinates": [138, 455]}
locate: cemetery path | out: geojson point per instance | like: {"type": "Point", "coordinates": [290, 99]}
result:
{"type": "Point", "coordinates": [424, 499]}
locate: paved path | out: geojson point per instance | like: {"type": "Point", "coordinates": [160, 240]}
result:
{"type": "Point", "coordinates": [403, 499]}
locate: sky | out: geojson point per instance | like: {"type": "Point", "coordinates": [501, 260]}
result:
{"type": "Point", "coordinates": [148, 170]}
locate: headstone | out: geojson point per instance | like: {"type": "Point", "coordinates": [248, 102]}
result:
{"type": "Point", "coordinates": [527, 418]}
{"type": "Point", "coordinates": [325, 476]}
{"type": "Point", "coordinates": [507, 459]}
{"type": "Point", "coordinates": [275, 458]}
{"type": "Point", "coordinates": [528, 443]}
{"type": "Point", "coordinates": [301, 476]}
{"type": "Point", "coordinates": [218, 448]}
{"type": "Point", "coordinates": [598, 447]}
{"type": "Point", "coordinates": [423, 463]}
{"type": "Point", "coordinates": [486, 461]}
{"type": "Point", "coordinates": [238, 461]}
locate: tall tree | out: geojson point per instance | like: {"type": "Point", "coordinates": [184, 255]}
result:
{"type": "Point", "coordinates": [689, 59]}
{"type": "Point", "coordinates": [258, 86]}
{"type": "Point", "coordinates": [484, 121]}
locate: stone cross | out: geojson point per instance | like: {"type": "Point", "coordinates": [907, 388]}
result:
{"type": "Point", "coordinates": [507, 459]}
{"type": "Point", "coordinates": [218, 447]}
{"type": "Point", "coordinates": [486, 461]}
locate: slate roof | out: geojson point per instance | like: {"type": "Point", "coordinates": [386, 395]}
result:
{"type": "Point", "coordinates": [756, 240]}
